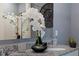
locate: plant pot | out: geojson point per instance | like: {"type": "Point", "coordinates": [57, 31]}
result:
{"type": "Point", "coordinates": [39, 49]}
{"type": "Point", "coordinates": [72, 45]}
{"type": "Point", "coordinates": [39, 46]}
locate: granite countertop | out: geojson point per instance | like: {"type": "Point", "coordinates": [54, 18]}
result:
{"type": "Point", "coordinates": [29, 52]}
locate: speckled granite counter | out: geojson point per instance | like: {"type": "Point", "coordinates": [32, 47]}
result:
{"type": "Point", "coordinates": [29, 52]}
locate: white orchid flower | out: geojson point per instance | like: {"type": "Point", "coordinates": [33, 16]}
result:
{"type": "Point", "coordinates": [37, 21]}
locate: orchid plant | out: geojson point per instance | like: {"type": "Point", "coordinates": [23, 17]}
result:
{"type": "Point", "coordinates": [36, 20]}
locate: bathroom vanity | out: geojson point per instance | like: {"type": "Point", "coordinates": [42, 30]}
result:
{"type": "Point", "coordinates": [54, 53]}
{"type": "Point", "coordinates": [61, 50]}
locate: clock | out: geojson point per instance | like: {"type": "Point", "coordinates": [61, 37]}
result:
{"type": "Point", "coordinates": [47, 11]}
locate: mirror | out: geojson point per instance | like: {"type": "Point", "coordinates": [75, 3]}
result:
{"type": "Point", "coordinates": [8, 31]}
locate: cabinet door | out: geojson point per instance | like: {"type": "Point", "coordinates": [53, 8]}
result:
{"type": "Point", "coordinates": [74, 53]}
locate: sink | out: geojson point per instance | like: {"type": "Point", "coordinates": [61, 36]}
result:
{"type": "Point", "coordinates": [56, 49]}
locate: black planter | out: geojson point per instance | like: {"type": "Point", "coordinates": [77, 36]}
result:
{"type": "Point", "coordinates": [72, 45]}
{"type": "Point", "coordinates": [39, 48]}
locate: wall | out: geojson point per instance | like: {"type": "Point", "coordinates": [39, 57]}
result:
{"type": "Point", "coordinates": [62, 21]}
{"type": "Point", "coordinates": [75, 21]}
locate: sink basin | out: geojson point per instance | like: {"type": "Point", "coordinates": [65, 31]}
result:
{"type": "Point", "coordinates": [56, 49]}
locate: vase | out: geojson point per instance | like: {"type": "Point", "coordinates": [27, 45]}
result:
{"type": "Point", "coordinates": [39, 46]}
{"type": "Point", "coordinates": [72, 45]}
{"type": "Point", "coordinates": [38, 38]}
